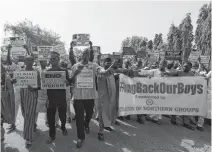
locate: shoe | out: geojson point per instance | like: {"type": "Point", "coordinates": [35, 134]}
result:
{"type": "Point", "coordinates": [68, 120]}
{"type": "Point", "coordinates": [50, 140]}
{"type": "Point", "coordinates": [108, 128]}
{"type": "Point", "coordinates": [121, 118]}
{"type": "Point", "coordinates": [100, 136]}
{"type": "Point", "coordinates": [2, 139]}
{"type": "Point", "coordinates": [148, 118]}
{"type": "Point", "coordinates": [87, 130]}
{"type": "Point", "coordinates": [65, 132]}
{"type": "Point", "coordinates": [79, 143]}
{"type": "Point", "coordinates": [157, 122]}
{"type": "Point", "coordinates": [11, 128]}
{"type": "Point", "coordinates": [140, 121]}
{"type": "Point", "coordinates": [188, 126]}
{"type": "Point", "coordinates": [74, 118]}
{"type": "Point", "coordinates": [173, 122]}
{"type": "Point", "coordinates": [28, 144]}
{"type": "Point", "coordinates": [200, 128]}
{"type": "Point", "coordinates": [192, 122]}
{"type": "Point", "coordinates": [117, 123]}
{"type": "Point", "coordinates": [128, 117]}
{"type": "Point", "coordinates": [35, 128]}
{"type": "Point", "coordinates": [47, 124]}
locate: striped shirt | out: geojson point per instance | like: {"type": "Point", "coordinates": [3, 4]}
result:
{"type": "Point", "coordinates": [85, 93]}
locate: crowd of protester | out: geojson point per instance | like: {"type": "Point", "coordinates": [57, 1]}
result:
{"type": "Point", "coordinates": [99, 102]}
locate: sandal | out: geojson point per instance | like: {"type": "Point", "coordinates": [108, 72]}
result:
{"type": "Point", "coordinates": [65, 132]}
{"type": "Point", "coordinates": [28, 144]}
{"type": "Point", "coordinates": [50, 140]}
{"type": "Point", "coordinates": [100, 136]}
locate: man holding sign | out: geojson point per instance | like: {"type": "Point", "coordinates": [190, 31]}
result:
{"type": "Point", "coordinates": [56, 96]}
{"type": "Point", "coordinates": [84, 93]}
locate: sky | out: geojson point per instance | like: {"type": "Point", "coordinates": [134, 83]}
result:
{"type": "Point", "coordinates": [108, 22]}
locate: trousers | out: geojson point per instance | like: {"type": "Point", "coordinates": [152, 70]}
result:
{"type": "Point", "coordinates": [82, 107]}
{"type": "Point", "coordinates": [51, 112]}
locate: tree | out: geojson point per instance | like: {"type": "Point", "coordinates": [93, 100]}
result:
{"type": "Point", "coordinates": [170, 37]}
{"type": "Point", "coordinates": [186, 34]}
{"type": "Point", "coordinates": [125, 42]}
{"type": "Point", "coordinates": [203, 30]}
{"type": "Point", "coordinates": [136, 42]}
{"type": "Point", "coordinates": [33, 32]}
{"type": "Point", "coordinates": [157, 40]}
{"type": "Point", "coordinates": [150, 45]}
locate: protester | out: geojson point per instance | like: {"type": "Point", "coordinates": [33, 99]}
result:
{"type": "Point", "coordinates": [7, 98]}
{"type": "Point", "coordinates": [68, 94]}
{"type": "Point", "coordinates": [158, 73]}
{"type": "Point", "coordinates": [29, 99]}
{"type": "Point", "coordinates": [186, 72]}
{"type": "Point", "coordinates": [56, 101]}
{"type": "Point", "coordinates": [84, 97]}
{"type": "Point", "coordinates": [10, 67]}
{"type": "Point", "coordinates": [107, 108]}
{"type": "Point", "coordinates": [42, 94]}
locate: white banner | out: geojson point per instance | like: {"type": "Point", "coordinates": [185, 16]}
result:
{"type": "Point", "coordinates": [162, 95]}
{"type": "Point", "coordinates": [85, 77]}
{"type": "Point", "coordinates": [53, 80]}
{"type": "Point", "coordinates": [25, 78]}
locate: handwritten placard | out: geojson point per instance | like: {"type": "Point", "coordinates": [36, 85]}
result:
{"type": "Point", "coordinates": [44, 52]}
{"type": "Point", "coordinates": [85, 78]}
{"type": "Point", "coordinates": [25, 78]}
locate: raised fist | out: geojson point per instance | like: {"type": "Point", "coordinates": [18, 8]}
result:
{"type": "Point", "coordinates": [90, 43]}
{"type": "Point", "coordinates": [9, 46]}
{"type": "Point", "coordinates": [71, 44]}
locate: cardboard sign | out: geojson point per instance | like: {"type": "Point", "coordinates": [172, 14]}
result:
{"type": "Point", "coordinates": [60, 48]}
{"type": "Point", "coordinates": [17, 51]}
{"type": "Point", "coordinates": [81, 39]}
{"type": "Point", "coordinates": [104, 56]}
{"type": "Point", "coordinates": [96, 49]}
{"type": "Point", "coordinates": [153, 57]}
{"type": "Point", "coordinates": [193, 57]}
{"type": "Point", "coordinates": [128, 51]}
{"type": "Point", "coordinates": [14, 41]}
{"type": "Point", "coordinates": [141, 54]}
{"type": "Point", "coordinates": [116, 53]}
{"type": "Point", "coordinates": [44, 52]}
{"type": "Point", "coordinates": [53, 80]}
{"type": "Point", "coordinates": [205, 59]}
{"type": "Point", "coordinates": [173, 55]}
{"type": "Point", "coordinates": [115, 57]}
{"type": "Point", "coordinates": [25, 78]}
{"type": "Point", "coordinates": [85, 78]}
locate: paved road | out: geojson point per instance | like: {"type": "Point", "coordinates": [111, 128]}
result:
{"type": "Point", "coordinates": [129, 137]}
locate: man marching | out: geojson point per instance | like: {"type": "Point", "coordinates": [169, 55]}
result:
{"type": "Point", "coordinates": [84, 93]}
{"type": "Point", "coordinates": [56, 101]}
